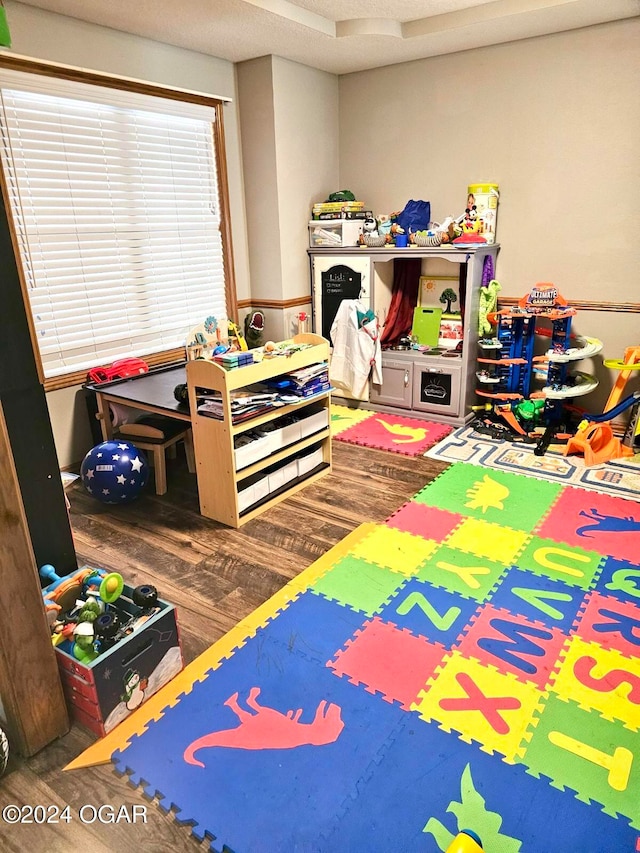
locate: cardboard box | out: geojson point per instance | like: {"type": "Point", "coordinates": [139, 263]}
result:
{"type": "Point", "coordinates": [104, 692]}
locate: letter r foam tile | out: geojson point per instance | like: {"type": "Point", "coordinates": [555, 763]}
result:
{"type": "Point", "coordinates": [611, 623]}
{"type": "Point", "coordinates": [499, 497]}
{"type": "Point", "coordinates": [596, 758]}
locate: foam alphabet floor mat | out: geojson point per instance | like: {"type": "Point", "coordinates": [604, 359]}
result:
{"type": "Point", "coordinates": [473, 662]}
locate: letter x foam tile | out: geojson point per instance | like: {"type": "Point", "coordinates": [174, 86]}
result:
{"type": "Point", "coordinates": [473, 662]}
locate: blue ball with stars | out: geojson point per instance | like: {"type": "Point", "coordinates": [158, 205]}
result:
{"type": "Point", "coordinates": [114, 472]}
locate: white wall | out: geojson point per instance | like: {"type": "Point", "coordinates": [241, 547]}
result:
{"type": "Point", "coordinates": [289, 121]}
{"type": "Point", "coordinates": [43, 35]}
{"type": "Point", "coordinates": [555, 121]}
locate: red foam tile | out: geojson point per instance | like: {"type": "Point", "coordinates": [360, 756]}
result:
{"type": "Point", "coordinates": [408, 436]}
{"type": "Point", "coordinates": [426, 521]}
{"type": "Point", "coordinates": [596, 522]}
{"type": "Point", "coordinates": [611, 623]}
{"type": "Point", "coordinates": [389, 660]}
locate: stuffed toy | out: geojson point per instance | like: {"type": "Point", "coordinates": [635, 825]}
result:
{"type": "Point", "coordinates": [488, 304]}
{"type": "Point", "coordinates": [253, 329]}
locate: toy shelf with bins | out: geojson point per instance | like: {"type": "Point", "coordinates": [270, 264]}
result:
{"type": "Point", "coordinates": [237, 483]}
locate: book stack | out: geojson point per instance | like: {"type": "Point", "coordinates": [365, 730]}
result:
{"type": "Point", "coordinates": [244, 405]}
{"type": "Point", "coordinates": [340, 210]}
{"type": "Point", "coordinates": [230, 360]}
{"type": "Point", "coordinates": [309, 380]}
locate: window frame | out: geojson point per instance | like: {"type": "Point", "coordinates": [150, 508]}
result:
{"type": "Point", "coordinates": [108, 81]}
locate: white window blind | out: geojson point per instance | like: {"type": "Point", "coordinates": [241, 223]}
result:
{"type": "Point", "coordinates": [115, 202]}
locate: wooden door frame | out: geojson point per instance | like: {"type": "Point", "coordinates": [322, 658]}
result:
{"type": "Point", "coordinates": [34, 706]}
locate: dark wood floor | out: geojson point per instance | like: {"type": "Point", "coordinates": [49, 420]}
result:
{"type": "Point", "coordinates": [215, 576]}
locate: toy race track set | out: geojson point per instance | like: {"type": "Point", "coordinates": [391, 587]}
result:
{"type": "Point", "coordinates": [508, 369]}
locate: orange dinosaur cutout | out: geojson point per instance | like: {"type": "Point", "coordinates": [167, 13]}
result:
{"type": "Point", "coordinates": [270, 729]}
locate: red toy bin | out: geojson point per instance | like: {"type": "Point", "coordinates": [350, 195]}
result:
{"type": "Point", "coordinates": [104, 692]}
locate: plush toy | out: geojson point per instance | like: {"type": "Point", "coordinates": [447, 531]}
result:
{"type": "Point", "coordinates": [488, 304]}
{"type": "Point", "coordinates": [253, 329]}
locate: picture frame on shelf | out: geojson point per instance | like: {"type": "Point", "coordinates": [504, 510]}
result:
{"type": "Point", "coordinates": [432, 287]}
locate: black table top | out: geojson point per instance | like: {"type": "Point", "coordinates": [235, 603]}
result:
{"type": "Point", "coordinates": [154, 388]}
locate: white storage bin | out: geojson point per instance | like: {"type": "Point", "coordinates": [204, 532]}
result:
{"type": "Point", "coordinates": [328, 233]}
{"type": "Point", "coordinates": [309, 461]}
{"type": "Point", "coordinates": [260, 447]}
{"type": "Point", "coordinates": [281, 476]}
{"type": "Point", "coordinates": [246, 497]}
{"type": "Point", "coordinates": [286, 435]}
{"type": "Point", "coordinates": [314, 423]}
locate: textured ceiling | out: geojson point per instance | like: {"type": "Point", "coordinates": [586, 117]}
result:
{"type": "Point", "coordinates": [340, 36]}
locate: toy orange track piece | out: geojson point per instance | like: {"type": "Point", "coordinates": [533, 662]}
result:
{"type": "Point", "coordinates": [630, 362]}
{"type": "Point", "coordinates": [598, 444]}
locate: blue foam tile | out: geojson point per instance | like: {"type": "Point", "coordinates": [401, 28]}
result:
{"type": "Point", "coordinates": [313, 626]}
{"type": "Point", "coordinates": [620, 579]}
{"type": "Point", "coordinates": [440, 615]}
{"type": "Point", "coordinates": [538, 598]}
{"type": "Point", "coordinates": [430, 785]}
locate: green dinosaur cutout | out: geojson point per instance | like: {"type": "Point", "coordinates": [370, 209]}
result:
{"type": "Point", "coordinates": [471, 812]}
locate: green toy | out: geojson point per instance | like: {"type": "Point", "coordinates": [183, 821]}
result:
{"type": "Point", "coordinates": [488, 304]}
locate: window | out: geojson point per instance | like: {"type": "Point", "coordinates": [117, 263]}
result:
{"type": "Point", "coordinates": [115, 203]}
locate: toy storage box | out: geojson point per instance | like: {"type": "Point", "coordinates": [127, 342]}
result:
{"type": "Point", "coordinates": [103, 693]}
{"type": "Point", "coordinates": [329, 233]}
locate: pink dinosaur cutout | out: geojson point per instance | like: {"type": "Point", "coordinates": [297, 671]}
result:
{"type": "Point", "coordinates": [270, 729]}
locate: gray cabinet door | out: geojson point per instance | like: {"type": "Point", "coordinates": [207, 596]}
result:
{"type": "Point", "coordinates": [396, 388]}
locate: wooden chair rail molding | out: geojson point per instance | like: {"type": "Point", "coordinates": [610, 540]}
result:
{"type": "Point", "coordinates": [30, 688]}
